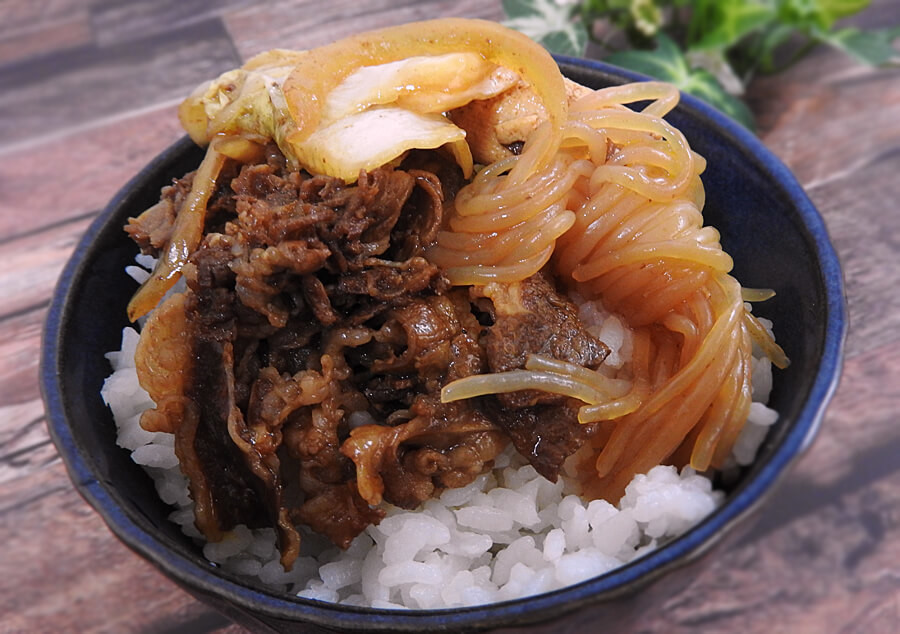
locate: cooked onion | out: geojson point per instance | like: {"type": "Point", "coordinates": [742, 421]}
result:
{"type": "Point", "coordinates": [185, 238]}
{"type": "Point", "coordinates": [319, 72]}
{"type": "Point", "coordinates": [515, 380]}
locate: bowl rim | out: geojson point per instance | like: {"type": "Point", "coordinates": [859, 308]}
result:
{"type": "Point", "coordinates": [530, 609]}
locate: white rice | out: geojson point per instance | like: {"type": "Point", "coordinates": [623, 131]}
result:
{"type": "Point", "coordinates": [511, 533]}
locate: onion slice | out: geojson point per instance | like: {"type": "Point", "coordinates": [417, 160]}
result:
{"type": "Point", "coordinates": [185, 238]}
{"type": "Point", "coordinates": [372, 138]}
{"type": "Point", "coordinates": [321, 70]}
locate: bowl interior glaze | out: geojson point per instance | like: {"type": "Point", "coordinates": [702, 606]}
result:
{"type": "Point", "coordinates": [767, 223]}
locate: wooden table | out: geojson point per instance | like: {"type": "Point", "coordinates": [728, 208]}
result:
{"type": "Point", "coordinates": [89, 90]}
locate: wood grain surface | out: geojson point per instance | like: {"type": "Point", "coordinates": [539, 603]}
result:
{"type": "Point", "coordinates": [89, 89]}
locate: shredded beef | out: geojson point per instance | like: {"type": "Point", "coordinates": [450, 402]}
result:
{"type": "Point", "coordinates": [238, 471]}
{"type": "Point", "coordinates": [153, 228]}
{"type": "Point", "coordinates": [545, 434]}
{"type": "Point", "coordinates": [310, 304]}
{"type": "Point", "coordinates": [532, 317]}
{"type": "Point", "coordinates": [425, 344]}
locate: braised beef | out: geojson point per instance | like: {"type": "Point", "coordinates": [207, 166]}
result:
{"type": "Point", "coordinates": [239, 468]}
{"type": "Point", "coordinates": [429, 342]}
{"type": "Point", "coordinates": [442, 445]}
{"type": "Point", "coordinates": [153, 228]}
{"type": "Point", "coordinates": [545, 434]}
{"type": "Point", "coordinates": [532, 317]}
{"type": "Point", "coordinates": [320, 339]}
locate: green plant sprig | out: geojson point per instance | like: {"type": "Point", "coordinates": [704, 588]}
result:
{"type": "Point", "coordinates": [709, 48]}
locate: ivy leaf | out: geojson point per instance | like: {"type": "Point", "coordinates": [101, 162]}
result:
{"type": "Point", "coordinates": [667, 63]}
{"type": "Point", "coordinates": [548, 23]}
{"type": "Point", "coordinates": [704, 85]}
{"type": "Point", "coordinates": [729, 21]}
{"type": "Point", "coordinates": [830, 11]}
{"type": "Point", "coordinates": [770, 40]}
{"type": "Point", "coordinates": [874, 47]}
{"type": "Point", "coordinates": [811, 15]}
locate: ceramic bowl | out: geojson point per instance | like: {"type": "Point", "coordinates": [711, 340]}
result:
{"type": "Point", "coordinates": [768, 225]}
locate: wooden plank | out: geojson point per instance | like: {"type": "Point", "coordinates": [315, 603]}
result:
{"type": "Point", "coordinates": [20, 341]}
{"type": "Point", "coordinates": [805, 116]}
{"type": "Point", "coordinates": [25, 17]}
{"type": "Point", "coordinates": [859, 209]}
{"type": "Point", "coordinates": [24, 444]}
{"type": "Point", "coordinates": [33, 266]}
{"type": "Point", "coordinates": [828, 116]}
{"type": "Point", "coordinates": [836, 129]}
{"type": "Point", "coordinates": [860, 421]}
{"type": "Point", "coordinates": [304, 25]}
{"type": "Point", "coordinates": [50, 533]}
{"type": "Point", "coordinates": [806, 577]}
{"type": "Point", "coordinates": [65, 177]}
{"type": "Point", "coordinates": [45, 40]}
{"type": "Point", "coordinates": [116, 21]}
{"type": "Point", "coordinates": [108, 80]}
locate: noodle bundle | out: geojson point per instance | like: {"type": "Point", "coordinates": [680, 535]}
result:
{"type": "Point", "coordinates": [618, 210]}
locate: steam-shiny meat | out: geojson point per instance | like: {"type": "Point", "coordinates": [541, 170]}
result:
{"type": "Point", "coordinates": [301, 370]}
{"type": "Point", "coordinates": [532, 317]}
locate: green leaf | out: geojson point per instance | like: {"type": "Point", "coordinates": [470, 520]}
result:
{"type": "Point", "coordinates": [874, 47]}
{"type": "Point", "coordinates": [731, 20]}
{"type": "Point", "coordinates": [667, 63]}
{"type": "Point", "coordinates": [571, 41]}
{"type": "Point", "coordinates": [834, 10]}
{"type": "Point", "coordinates": [520, 9]}
{"type": "Point", "coordinates": [605, 6]}
{"type": "Point", "coordinates": [703, 84]}
{"type": "Point", "coordinates": [809, 15]}
{"type": "Point", "coordinates": [769, 43]}
{"type": "Point", "coordinates": [549, 24]}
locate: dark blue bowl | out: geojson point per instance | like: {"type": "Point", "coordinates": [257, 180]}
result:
{"type": "Point", "coordinates": [769, 226]}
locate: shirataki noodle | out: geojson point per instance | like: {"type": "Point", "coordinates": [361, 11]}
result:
{"type": "Point", "coordinates": [618, 212]}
